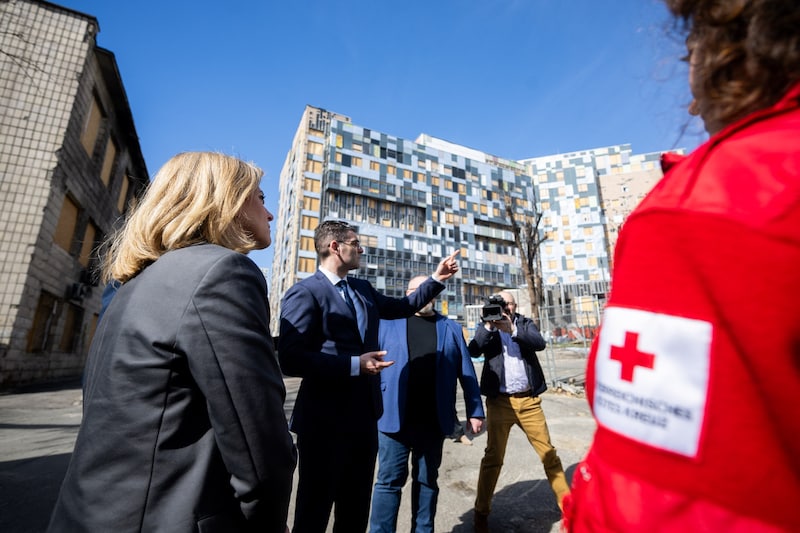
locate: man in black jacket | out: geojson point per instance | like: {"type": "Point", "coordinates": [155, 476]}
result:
{"type": "Point", "coordinates": [512, 380]}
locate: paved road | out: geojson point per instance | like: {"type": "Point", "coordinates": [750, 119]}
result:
{"type": "Point", "coordinates": [38, 428]}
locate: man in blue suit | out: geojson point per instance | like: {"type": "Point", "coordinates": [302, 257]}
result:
{"type": "Point", "coordinates": [329, 337]}
{"type": "Point", "coordinates": [419, 393]}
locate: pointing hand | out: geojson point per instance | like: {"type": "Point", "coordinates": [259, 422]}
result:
{"type": "Point", "coordinates": [447, 267]}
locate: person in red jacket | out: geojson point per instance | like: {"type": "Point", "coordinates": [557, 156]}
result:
{"type": "Point", "coordinates": [694, 377]}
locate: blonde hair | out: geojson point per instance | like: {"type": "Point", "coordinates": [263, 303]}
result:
{"type": "Point", "coordinates": [195, 197]}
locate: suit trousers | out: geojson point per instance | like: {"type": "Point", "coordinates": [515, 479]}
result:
{"type": "Point", "coordinates": [503, 412]}
{"type": "Point", "coordinates": [335, 471]}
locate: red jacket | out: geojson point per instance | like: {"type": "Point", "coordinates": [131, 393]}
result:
{"type": "Point", "coordinates": [695, 377]}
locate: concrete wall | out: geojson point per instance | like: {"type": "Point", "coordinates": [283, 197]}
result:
{"type": "Point", "coordinates": [51, 72]}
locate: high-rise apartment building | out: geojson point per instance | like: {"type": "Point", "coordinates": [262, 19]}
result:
{"type": "Point", "coordinates": [70, 162]}
{"type": "Point", "coordinates": [623, 186]}
{"type": "Point", "coordinates": [584, 198]}
{"type": "Point", "coordinates": [414, 202]}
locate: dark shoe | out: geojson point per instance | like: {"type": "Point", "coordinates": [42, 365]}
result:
{"type": "Point", "coordinates": [481, 522]}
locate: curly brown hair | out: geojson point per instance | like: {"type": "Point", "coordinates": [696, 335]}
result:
{"type": "Point", "coordinates": [745, 54]}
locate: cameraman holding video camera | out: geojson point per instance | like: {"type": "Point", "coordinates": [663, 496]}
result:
{"type": "Point", "coordinates": [512, 380]}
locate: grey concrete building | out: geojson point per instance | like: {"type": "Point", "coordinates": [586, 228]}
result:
{"type": "Point", "coordinates": [70, 163]}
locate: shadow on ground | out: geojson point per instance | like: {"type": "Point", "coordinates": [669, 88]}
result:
{"type": "Point", "coordinates": [28, 491]}
{"type": "Point", "coordinates": [524, 507]}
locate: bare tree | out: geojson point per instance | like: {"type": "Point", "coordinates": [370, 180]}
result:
{"type": "Point", "coordinates": [528, 241]}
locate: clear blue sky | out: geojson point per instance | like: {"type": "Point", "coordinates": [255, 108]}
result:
{"type": "Point", "coordinates": [514, 78]}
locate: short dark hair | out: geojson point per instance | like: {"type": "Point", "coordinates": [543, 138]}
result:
{"type": "Point", "coordinates": [331, 230]}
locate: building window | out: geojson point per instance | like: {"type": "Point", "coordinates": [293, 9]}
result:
{"type": "Point", "coordinates": [92, 126]}
{"type": "Point", "coordinates": [108, 161]}
{"type": "Point", "coordinates": [313, 166]}
{"type": "Point", "coordinates": [88, 244]}
{"type": "Point", "coordinates": [46, 314]}
{"type": "Point", "coordinates": [314, 148]}
{"type": "Point", "coordinates": [307, 243]}
{"type": "Point", "coordinates": [311, 185]}
{"type": "Point", "coordinates": [122, 200]}
{"type": "Point", "coordinates": [310, 204]}
{"type": "Point", "coordinates": [67, 221]}
{"type": "Point", "coordinates": [73, 323]}
{"type": "Point", "coordinates": [310, 222]}
{"type": "Point", "coordinates": [307, 264]}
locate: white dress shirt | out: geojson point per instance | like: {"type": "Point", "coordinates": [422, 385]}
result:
{"type": "Point", "coordinates": [355, 361]}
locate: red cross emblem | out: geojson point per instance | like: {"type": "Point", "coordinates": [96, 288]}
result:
{"type": "Point", "coordinates": [630, 357]}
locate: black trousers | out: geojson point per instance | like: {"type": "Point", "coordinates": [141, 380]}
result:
{"type": "Point", "coordinates": [335, 470]}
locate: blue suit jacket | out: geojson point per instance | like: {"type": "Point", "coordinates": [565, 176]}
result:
{"type": "Point", "coordinates": [453, 363]}
{"type": "Point", "coordinates": [319, 335]}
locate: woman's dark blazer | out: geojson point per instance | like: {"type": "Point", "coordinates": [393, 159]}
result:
{"type": "Point", "coordinates": [183, 425]}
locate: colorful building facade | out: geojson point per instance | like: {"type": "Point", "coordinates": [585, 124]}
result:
{"type": "Point", "coordinates": [414, 202]}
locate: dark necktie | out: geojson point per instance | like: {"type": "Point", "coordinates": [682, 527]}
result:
{"type": "Point", "coordinates": [349, 301]}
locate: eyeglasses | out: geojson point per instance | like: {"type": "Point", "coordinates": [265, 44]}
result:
{"type": "Point", "coordinates": [355, 243]}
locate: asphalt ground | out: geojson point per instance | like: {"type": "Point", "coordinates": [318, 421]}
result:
{"type": "Point", "coordinates": [38, 426]}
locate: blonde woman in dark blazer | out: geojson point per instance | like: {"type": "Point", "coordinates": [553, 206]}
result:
{"type": "Point", "coordinates": [183, 426]}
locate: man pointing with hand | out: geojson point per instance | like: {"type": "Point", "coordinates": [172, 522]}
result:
{"type": "Point", "coordinates": [329, 337]}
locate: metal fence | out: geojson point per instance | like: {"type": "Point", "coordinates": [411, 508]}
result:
{"type": "Point", "coordinates": [569, 331]}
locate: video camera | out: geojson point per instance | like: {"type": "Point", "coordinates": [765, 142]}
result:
{"type": "Point", "coordinates": [494, 309]}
